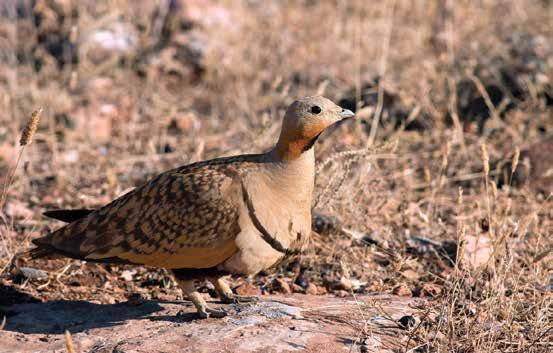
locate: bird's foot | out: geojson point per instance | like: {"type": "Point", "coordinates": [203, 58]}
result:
{"type": "Point", "coordinates": [199, 302]}
{"type": "Point", "coordinates": [239, 299]}
{"type": "Point", "coordinates": [206, 312]}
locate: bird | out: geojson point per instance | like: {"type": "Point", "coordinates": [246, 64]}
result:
{"type": "Point", "coordinates": [210, 219]}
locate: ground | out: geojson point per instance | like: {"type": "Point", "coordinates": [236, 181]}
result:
{"type": "Point", "coordinates": [436, 200]}
{"type": "Point", "coordinates": [278, 324]}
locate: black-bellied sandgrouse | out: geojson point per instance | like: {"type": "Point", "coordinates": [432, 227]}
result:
{"type": "Point", "coordinates": [232, 215]}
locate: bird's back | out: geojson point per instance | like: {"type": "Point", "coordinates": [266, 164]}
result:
{"type": "Point", "coordinates": [184, 218]}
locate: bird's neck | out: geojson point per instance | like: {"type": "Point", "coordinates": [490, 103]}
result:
{"type": "Point", "coordinates": [291, 149]}
{"type": "Point", "coordinates": [295, 175]}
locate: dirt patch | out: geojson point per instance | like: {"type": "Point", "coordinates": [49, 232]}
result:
{"type": "Point", "coordinates": [277, 324]}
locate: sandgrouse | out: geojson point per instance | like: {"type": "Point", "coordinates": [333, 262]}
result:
{"type": "Point", "coordinates": [206, 220]}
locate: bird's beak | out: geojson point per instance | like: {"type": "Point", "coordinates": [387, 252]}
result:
{"type": "Point", "coordinates": [345, 114]}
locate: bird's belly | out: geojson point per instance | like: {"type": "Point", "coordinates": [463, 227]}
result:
{"type": "Point", "coordinates": [253, 256]}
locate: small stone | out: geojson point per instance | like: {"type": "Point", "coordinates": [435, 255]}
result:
{"type": "Point", "coordinates": [127, 275]}
{"type": "Point", "coordinates": [297, 289]}
{"type": "Point", "coordinates": [301, 281]}
{"type": "Point", "coordinates": [343, 284]}
{"type": "Point", "coordinates": [470, 309]}
{"type": "Point", "coordinates": [485, 224]}
{"type": "Point", "coordinates": [32, 273]}
{"type": "Point", "coordinates": [109, 300]}
{"type": "Point", "coordinates": [74, 282]}
{"type": "Point", "coordinates": [80, 289]}
{"type": "Point", "coordinates": [402, 290]}
{"type": "Point", "coordinates": [247, 289]}
{"type": "Point", "coordinates": [281, 286]}
{"type": "Point", "coordinates": [431, 290]}
{"type": "Point", "coordinates": [311, 289]}
{"type": "Point", "coordinates": [410, 275]}
{"type": "Point", "coordinates": [183, 123]}
{"type": "Point", "coordinates": [371, 343]}
{"type": "Point", "coordinates": [342, 293]}
{"type": "Point", "coordinates": [135, 299]}
{"type": "Point", "coordinates": [406, 322]}
{"type": "Point", "coordinates": [357, 285]}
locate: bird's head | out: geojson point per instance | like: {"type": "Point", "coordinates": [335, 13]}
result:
{"type": "Point", "coordinates": [304, 121]}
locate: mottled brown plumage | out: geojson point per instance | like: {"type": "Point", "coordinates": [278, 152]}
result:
{"type": "Point", "coordinates": [155, 224]}
{"type": "Point", "coordinates": [237, 214]}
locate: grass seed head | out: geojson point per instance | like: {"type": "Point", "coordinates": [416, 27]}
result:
{"type": "Point", "coordinates": [445, 156]}
{"type": "Point", "coordinates": [485, 159]}
{"type": "Point", "coordinates": [30, 128]}
{"type": "Point", "coordinates": [514, 162]}
{"type": "Point", "coordinates": [459, 196]}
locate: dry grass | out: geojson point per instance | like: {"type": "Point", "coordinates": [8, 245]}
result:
{"type": "Point", "coordinates": [111, 120]}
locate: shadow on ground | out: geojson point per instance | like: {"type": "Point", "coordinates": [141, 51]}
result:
{"type": "Point", "coordinates": [77, 316]}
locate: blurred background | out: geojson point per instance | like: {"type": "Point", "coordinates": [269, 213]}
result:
{"type": "Point", "coordinates": [443, 183]}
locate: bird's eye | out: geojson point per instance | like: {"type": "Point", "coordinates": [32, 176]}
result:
{"type": "Point", "coordinates": [315, 109]}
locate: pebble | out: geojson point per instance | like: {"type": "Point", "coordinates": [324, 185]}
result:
{"type": "Point", "coordinates": [406, 322]}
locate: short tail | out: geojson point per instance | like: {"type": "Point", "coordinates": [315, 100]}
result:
{"type": "Point", "coordinates": [39, 253]}
{"type": "Point", "coordinates": [44, 247]}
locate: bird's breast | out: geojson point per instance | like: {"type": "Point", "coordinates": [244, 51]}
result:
{"type": "Point", "coordinates": [253, 255]}
{"type": "Point", "coordinates": [272, 226]}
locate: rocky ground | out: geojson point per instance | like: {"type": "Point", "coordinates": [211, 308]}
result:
{"type": "Point", "coordinates": [287, 323]}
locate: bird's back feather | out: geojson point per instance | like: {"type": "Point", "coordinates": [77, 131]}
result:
{"type": "Point", "coordinates": [183, 218]}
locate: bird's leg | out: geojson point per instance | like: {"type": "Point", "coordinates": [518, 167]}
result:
{"type": "Point", "coordinates": [188, 288]}
{"type": "Point", "coordinates": [226, 294]}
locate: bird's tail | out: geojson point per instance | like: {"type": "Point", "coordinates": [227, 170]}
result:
{"type": "Point", "coordinates": [40, 252]}
{"type": "Point", "coordinates": [44, 249]}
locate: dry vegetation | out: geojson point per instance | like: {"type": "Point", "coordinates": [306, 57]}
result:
{"type": "Point", "coordinates": [441, 191]}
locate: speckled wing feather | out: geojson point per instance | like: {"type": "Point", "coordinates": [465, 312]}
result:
{"type": "Point", "coordinates": [184, 218]}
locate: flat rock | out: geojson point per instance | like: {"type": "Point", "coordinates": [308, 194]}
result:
{"type": "Point", "coordinates": [276, 324]}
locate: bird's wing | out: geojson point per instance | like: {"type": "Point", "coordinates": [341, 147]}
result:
{"type": "Point", "coordinates": [68, 216]}
{"type": "Point", "coordinates": [185, 218]}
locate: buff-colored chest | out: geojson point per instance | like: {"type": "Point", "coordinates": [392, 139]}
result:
{"type": "Point", "coordinates": [281, 200]}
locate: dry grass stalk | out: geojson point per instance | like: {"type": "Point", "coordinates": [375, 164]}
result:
{"type": "Point", "coordinates": [384, 151]}
{"type": "Point", "coordinates": [382, 72]}
{"type": "Point", "coordinates": [516, 157]}
{"type": "Point", "coordinates": [69, 346]}
{"type": "Point", "coordinates": [482, 90]}
{"type": "Point", "coordinates": [485, 159]}
{"type": "Point", "coordinates": [441, 177]}
{"type": "Point", "coordinates": [443, 167]}
{"type": "Point", "coordinates": [452, 107]}
{"type": "Point", "coordinates": [514, 163]}
{"type": "Point", "coordinates": [460, 229]}
{"type": "Point", "coordinates": [486, 168]}
{"type": "Point", "coordinates": [26, 138]}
